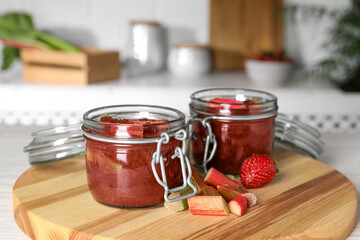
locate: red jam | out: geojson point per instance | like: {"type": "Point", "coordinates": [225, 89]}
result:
{"type": "Point", "coordinates": [121, 174]}
{"type": "Point", "coordinates": [236, 139]}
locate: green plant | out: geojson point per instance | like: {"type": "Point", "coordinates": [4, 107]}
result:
{"type": "Point", "coordinates": [343, 66]}
{"type": "Point", "coordinates": [17, 31]}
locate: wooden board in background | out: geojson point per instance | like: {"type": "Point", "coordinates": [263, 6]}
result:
{"type": "Point", "coordinates": [307, 199]}
{"type": "Point", "coordinates": [91, 65]}
{"type": "Point", "coordinates": [239, 28]}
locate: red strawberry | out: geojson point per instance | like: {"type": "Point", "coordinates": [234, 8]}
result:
{"type": "Point", "coordinates": [257, 171]}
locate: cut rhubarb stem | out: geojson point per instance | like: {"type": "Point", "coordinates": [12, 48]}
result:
{"type": "Point", "coordinates": [197, 180]}
{"type": "Point", "coordinates": [232, 177]}
{"type": "Point", "coordinates": [230, 192]}
{"type": "Point", "coordinates": [238, 205]}
{"type": "Point", "coordinates": [218, 102]}
{"type": "Point", "coordinates": [177, 206]}
{"type": "Point", "coordinates": [216, 178]}
{"type": "Point", "coordinates": [209, 191]}
{"type": "Point", "coordinates": [180, 205]}
{"type": "Point", "coordinates": [208, 205]}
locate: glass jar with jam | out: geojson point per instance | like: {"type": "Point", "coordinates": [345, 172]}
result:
{"type": "Point", "coordinates": [229, 125]}
{"type": "Point", "coordinates": [135, 154]}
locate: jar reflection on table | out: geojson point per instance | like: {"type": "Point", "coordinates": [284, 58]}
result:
{"type": "Point", "coordinates": [252, 132]}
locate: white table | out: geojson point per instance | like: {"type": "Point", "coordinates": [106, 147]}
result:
{"type": "Point", "coordinates": [342, 153]}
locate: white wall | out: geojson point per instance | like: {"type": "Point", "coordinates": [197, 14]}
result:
{"type": "Point", "coordinates": [104, 23]}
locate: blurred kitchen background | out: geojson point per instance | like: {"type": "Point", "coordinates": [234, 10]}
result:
{"type": "Point", "coordinates": [105, 23]}
{"type": "Point", "coordinates": [161, 51]}
{"type": "Point", "coordinates": [192, 25]}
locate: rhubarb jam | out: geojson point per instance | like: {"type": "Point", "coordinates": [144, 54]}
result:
{"type": "Point", "coordinates": [119, 149]}
{"type": "Point", "coordinates": [243, 122]}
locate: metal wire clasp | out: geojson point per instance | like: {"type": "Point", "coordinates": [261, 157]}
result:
{"type": "Point", "coordinates": [210, 139]}
{"type": "Point", "coordinates": [185, 166]}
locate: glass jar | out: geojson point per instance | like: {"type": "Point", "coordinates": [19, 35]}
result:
{"type": "Point", "coordinates": [146, 48]}
{"type": "Point", "coordinates": [128, 147]}
{"type": "Point", "coordinates": [229, 125]}
{"type": "Point", "coordinates": [189, 60]}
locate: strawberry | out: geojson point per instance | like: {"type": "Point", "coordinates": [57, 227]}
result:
{"type": "Point", "coordinates": [257, 171]}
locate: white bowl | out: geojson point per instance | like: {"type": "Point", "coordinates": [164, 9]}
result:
{"type": "Point", "coordinates": [267, 73]}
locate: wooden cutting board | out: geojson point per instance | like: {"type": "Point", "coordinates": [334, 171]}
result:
{"type": "Point", "coordinates": [241, 28]}
{"type": "Point", "coordinates": [307, 199]}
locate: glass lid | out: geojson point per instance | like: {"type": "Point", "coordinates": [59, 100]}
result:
{"type": "Point", "coordinates": [56, 144]}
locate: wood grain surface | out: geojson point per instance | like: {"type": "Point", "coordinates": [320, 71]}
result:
{"type": "Point", "coordinates": [239, 28]}
{"type": "Point", "coordinates": [80, 68]}
{"type": "Point", "coordinates": [307, 199]}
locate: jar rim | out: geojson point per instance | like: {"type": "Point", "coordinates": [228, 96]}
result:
{"type": "Point", "coordinates": [145, 22]}
{"type": "Point", "coordinates": [193, 95]}
{"type": "Point", "coordinates": [86, 114]}
{"type": "Point", "coordinates": [175, 118]}
{"type": "Point", "coordinates": [266, 102]}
